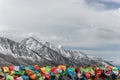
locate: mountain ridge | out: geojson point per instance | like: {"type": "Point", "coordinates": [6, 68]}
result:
{"type": "Point", "coordinates": [31, 51]}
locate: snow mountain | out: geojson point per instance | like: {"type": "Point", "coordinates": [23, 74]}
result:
{"type": "Point", "coordinates": [31, 51]}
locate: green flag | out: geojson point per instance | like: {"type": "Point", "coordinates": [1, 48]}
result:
{"type": "Point", "coordinates": [8, 77]}
{"type": "Point", "coordinates": [48, 68]}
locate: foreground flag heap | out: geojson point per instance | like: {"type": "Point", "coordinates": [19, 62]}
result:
{"type": "Point", "coordinates": [60, 72]}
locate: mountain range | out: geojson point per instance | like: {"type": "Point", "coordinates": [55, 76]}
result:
{"type": "Point", "coordinates": [33, 52]}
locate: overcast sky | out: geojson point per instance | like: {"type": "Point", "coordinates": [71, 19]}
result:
{"type": "Point", "coordinates": [92, 26]}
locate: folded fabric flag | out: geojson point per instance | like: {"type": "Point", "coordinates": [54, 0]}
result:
{"type": "Point", "coordinates": [22, 67]}
{"type": "Point", "coordinates": [84, 78]}
{"type": "Point", "coordinates": [109, 67]}
{"type": "Point", "coordinates": [115, 70]}
{"type": "Point", "coordinates": [73, 68]}
{"type": "Point", "coordinates": [15, 77]}
{"type": "Point", "coordinates": [12, 73]}
{"type": "Point", "coordinates": [59, 70]}
{"type": "Point", "coordinates": [2, 78]}
{"type": "Point", "coordinates": [55, 70]}
{"type": "Point", "coordinates": [19, 78]}
{"type": "Point", "coordinates": [19, 72]}
{"type": "Point", "coordinates": [5, 69]}
{"type": "Point", "coordinates": [92, 72]}
{"type": "Point", "coordinates": [42, 78]}
{"type": "Point", "coordinates": [118, 67]}
{"type": "Point", "coordinates": [8, 77]}
{"type": "Point", "coordinates": [64, 72]}
{"type": "Point", "coordinates": [11, 68]}
{"type": "Point", "coordinates": [30, 67]}
{"type": "Point", "coordinates": [36, 67]}
{"type": "Point", "coordinates": [29, 72]}
{"type": "Point", "coordinates": [57, 75]}
{"type": "Point", "coordinates": [87, 70]}
{"type": "Point", "coordinates": [0, 69]}
{"type": "Point", "coordinates": [33, 76]}
{"type": "Point", "coordinates": [108, 72]}
{"type": "Point", "coordinates": [48, 76]}
{"type": "Point", "coordinates": [25, 77]}
{"type": "Point", "coordinates": [71, 72]}
{"type": "Point", "coordinates": [43, 70]}
{"type": "Point", "coordinates": [88, 75]}
{"type": "Point", "coordinates": [16, 68]}
{"type": "Point", "coordinates": [102, 67]}
{"type": "Point", "coordinates": [1, 74]}
{"type": "Point", "coordinates": [22, 72]}
{"type": "Point", "coordinates": [48, 68]}
{"type": "Point", "coordinates": [37, 74]}
{"type": "Point", "coordinates": [99, 71]}
{"type": "Point", "coordinates": [52, 74]}
{"type": "Point", "coordinates": [77, 70]}
{"type": "Point", "coordinates": [81, 69]}
{"type": "Point", "coordinates": [62, 67]}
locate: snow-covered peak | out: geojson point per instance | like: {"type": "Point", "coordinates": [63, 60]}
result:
{"type": "Point", "coordinates": [5, 45]}
{"type": "Point", "coordinates": [12, 52]}
{"type": "Point", "coordinates": [3, 38]}
{"type": "Point", "coordinates": [53, 46]}
{"type": "Point", "coordinates": [30, 39]}
{"type": "Point", "coordinates": [59, 46]}
{"type": "Point", "coordinates": [48, 44]}
{"type": "Point", "coordinates": [46, 53]}
{"type": "Point", "coordinates": [31, 43]}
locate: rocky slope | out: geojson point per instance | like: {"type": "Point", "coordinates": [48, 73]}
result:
{"type": "Point", "coordinates": [30, 51]}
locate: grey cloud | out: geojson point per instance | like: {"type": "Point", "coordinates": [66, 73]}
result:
{"type": "Point", "coordinates": [108, 34]}
{"type": "Point", "coordinates": [50, 18]}
{"type": "Point", "coordinates": [66, 22]}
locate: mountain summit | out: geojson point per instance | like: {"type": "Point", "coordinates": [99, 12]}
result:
{"type": "Point", "coordinates": [30, 51]}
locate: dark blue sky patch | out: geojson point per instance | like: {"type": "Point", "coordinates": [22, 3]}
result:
{"type": "Point", "coordinates": [108, 5]}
